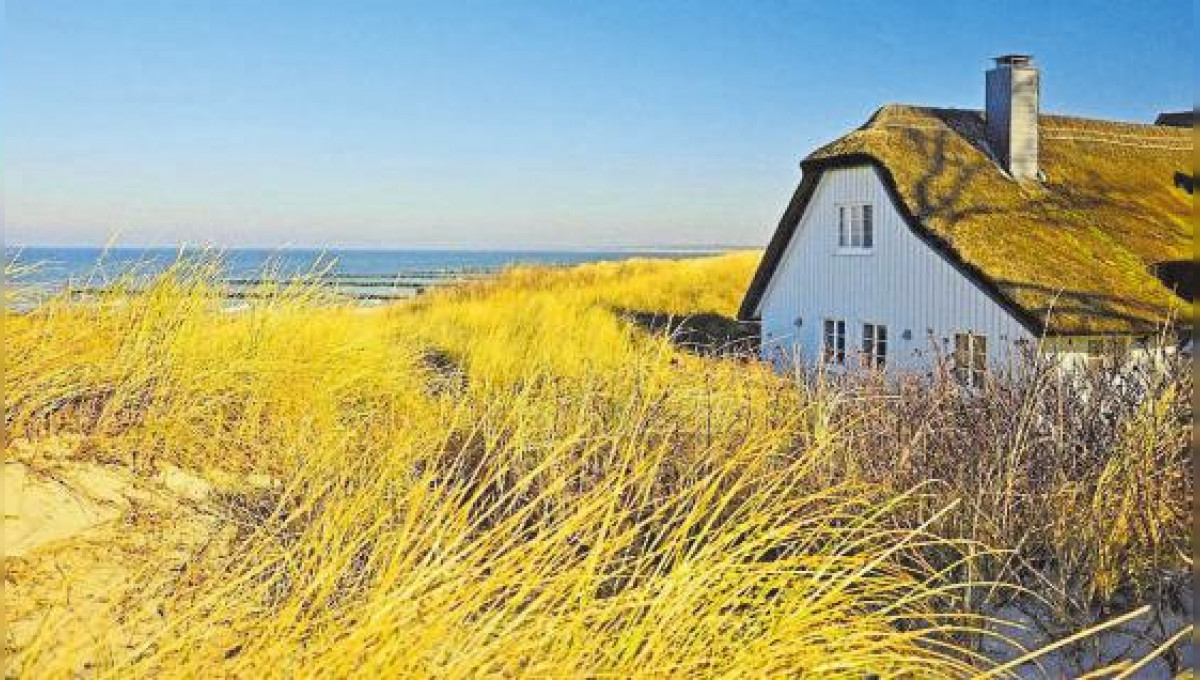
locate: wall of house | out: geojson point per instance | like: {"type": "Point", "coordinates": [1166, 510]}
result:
{"type": "Point", "coordinates": [902, 283]}
{"type": "Point", "coordinates": [1082, 351]}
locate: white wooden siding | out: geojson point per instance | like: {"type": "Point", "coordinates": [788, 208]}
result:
{"type": "Point", "coordinates": [901, 283]}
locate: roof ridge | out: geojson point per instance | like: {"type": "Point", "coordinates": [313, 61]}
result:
{"type": "Point", "coordinates": [1044, 117]}
{"type": "Point", "coordinates": [1119, 140]}
{"type": "Point", "coordinates": [1149, 125]}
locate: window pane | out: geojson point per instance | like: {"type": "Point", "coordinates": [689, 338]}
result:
{"type": "Point", "coordinates": [961, 345]}
{"type": "Point", "coordinates": [827, 340]}
{"type": "Point", "coordinates": [868, 228]}
{"type": "Point", "coordinates": [880, 349]}
{"type": "Point", "coordinates": [834, 349]}
{"type": "Point", "coordinates": [843, 227]}
{"type": "Point", "coordinates": [841, 342]}
{"type": "Point", "coordinates": [962, 354]}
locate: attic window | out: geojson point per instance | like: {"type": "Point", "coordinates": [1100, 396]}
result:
{"type": "Point", "coordinates": [856, 227]}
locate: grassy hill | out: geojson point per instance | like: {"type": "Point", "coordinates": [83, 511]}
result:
{"type": "Point", "coordinates": [555, 472]}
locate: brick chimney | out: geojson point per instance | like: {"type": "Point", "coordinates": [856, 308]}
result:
{"type": "Point", "coordinates": [1012, 114]}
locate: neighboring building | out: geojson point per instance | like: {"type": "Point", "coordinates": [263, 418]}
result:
{"type": "Point", "coordinates": [931, 233]}
{"type": "Point", "coordinates": [1176, 118]}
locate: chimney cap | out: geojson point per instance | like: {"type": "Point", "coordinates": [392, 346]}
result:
{"type": "Point", "coordinates": [1014, 60]}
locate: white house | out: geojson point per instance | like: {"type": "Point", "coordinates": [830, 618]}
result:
{"type": "Point", "coordinates": [931, 233]}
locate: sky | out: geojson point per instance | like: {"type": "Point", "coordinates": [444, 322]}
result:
{"type": "Point", "coordinates": [506, 124]}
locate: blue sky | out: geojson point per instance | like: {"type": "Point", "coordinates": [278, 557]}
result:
{"type": "Point", "coordinates": [503, 124]}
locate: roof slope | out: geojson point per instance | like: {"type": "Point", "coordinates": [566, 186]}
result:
{"type": "Point", "coordinates": [1073, 254]}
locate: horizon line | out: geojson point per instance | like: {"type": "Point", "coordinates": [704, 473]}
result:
{"type": "Point", "coordinates": [390, 248]}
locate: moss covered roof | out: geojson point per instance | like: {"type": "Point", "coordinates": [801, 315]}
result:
{"type": "Point", "coordinates": [1074, 253]}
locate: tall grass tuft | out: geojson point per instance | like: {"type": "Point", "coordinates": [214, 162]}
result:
{"type": "Point", "coordinates": [512, 478]}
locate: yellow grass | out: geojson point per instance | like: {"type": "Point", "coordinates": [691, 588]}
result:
{"type": "Point", "coordinates": [502, 479]}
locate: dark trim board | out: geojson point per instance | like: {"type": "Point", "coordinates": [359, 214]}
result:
{"type": "Point", "coordinates": [813, 170]}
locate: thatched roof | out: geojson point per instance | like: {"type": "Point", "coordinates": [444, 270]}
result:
{"type": "Point", "coordinates": [1074, 254]}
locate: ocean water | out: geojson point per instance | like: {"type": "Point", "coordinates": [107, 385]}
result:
{"type": "Point", "coordinates": [365, 274]}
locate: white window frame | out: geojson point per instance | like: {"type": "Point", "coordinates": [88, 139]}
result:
{"type": "Point", "coordinates": [1102, 351]}
{"type": "Point", "coordinates": [970, 358]}
{"type": "Point", "coordinates": [873, 350]}
{"type": "Point", "coordinates": [835, 354]}
{"type": "Point", "coordinates": [855, 228]}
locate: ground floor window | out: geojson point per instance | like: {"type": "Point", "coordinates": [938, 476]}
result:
{"type": "Point", "coordinates": [1103, 352]}
{"type": "Point", "coordinates": [874, 345]}
{"type": "Point", "coordinates": [834, 342]}
{"type": "Point", "coordinates": [970, 358]}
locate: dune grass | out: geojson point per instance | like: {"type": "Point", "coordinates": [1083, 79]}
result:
{"type": "Point", "coordinates": [506, 478]}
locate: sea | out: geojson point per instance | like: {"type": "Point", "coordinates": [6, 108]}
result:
{"type": "Point", "coordinates": [365, 275]}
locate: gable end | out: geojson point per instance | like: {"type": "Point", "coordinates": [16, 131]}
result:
{"type": "Point", "coordinates": [813, 170]}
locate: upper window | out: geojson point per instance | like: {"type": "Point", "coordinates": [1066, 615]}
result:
{"type": "Point", "coordinates": [970, 358]}
{"type": "Point", "coordinates": [856, 226]}
{"type": "Point", "coordinates": [874, 345]}
{"type": "Point", "coordinates": [834, 342]}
